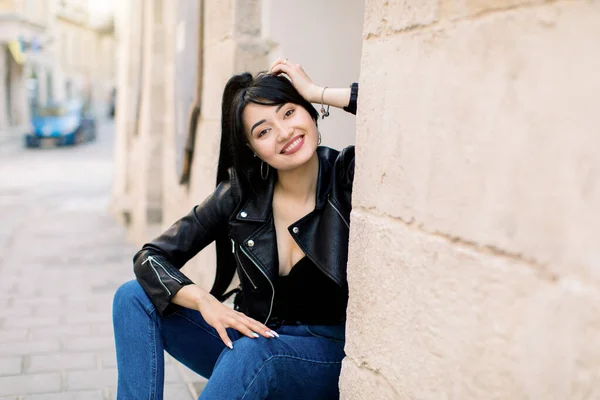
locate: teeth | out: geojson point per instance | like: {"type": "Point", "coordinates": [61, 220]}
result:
{"type": "Point", "coordinates": [291, 146]}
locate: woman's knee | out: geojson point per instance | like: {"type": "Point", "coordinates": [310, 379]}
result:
{"type": "Point", "coordinates": [130, 294]}
{"type": "Point", "coordinates": [250, 362]}
{"type": "Point", "coordinates": [247, 351]}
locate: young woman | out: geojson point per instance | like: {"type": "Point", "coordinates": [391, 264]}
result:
{"type": "Point", "coordinates": [280, 216]}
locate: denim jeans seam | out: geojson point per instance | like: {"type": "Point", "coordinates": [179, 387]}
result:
{"type": "Point", "coordinates": [154, 380]}
{"type": "Point", "coordinates": [199, 326]}
{"type": "Point", "coordinates": [146, 302]}
{"type": "Point", "coordinates": [264, 364]}
{"type": "Point", "coordinates": [150, 310]}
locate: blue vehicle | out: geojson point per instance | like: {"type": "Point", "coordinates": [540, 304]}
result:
{"type": "Point", "coordinates": [60, 124]}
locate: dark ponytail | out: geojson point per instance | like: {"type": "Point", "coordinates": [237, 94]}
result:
{"type": "Point", "coordinates": [232, 98]}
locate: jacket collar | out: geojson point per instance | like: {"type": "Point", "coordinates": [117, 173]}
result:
{"type": "Point", "coordinates": [259, 206]}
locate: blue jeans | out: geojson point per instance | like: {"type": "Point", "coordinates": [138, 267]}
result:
{"type": "Point", "coordinates": [303, 363]}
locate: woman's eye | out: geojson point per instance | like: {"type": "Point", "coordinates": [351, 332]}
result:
{"type": "Point", "coordinates": [263, 132]}
{"type": "Point", "coordinates": [289, 112]}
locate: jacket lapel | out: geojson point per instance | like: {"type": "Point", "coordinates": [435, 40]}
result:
{"type": "Point", "coordinates": [254, 220]}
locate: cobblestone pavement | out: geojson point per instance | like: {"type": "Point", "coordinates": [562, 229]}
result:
{"type": "Point", "coordinates": [61, 258]}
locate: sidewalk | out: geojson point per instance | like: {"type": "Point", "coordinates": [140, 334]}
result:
{"type": "Point", "coordinates": [63, 256]}
{"type": "Point", "coordinates": [12, 136]}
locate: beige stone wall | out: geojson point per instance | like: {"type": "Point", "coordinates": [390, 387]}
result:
{"type": "Point", "coordinates": [140, 119]}
{"type": "Point", "coordinates": [475, 243]}
{"type": "Point", "coordinates": [124, 30]}
{"type": "Point", "coordinates": [4, 116]}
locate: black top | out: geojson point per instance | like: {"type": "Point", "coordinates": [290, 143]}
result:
{"type": "Point", "coordinates": [307, 296]}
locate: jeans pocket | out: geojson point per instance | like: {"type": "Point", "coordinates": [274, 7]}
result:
{"type": "Point", "coordinates": [331, 332]}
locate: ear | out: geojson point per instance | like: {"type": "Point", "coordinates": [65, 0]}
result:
{"type": "Point", "coordinates": [251, 149]}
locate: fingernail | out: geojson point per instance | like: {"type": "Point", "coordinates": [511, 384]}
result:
{"type": "Point", "coordinates": [270, 334]}
{"type": "Point", "coordinates": [275, 333]}
{"type": "Point", "coordinates": [255, 334]}
{"type": "Point", "coordinates": [230, 345]}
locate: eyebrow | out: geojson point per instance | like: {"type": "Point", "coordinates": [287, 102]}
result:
{"type": "Point", "coordinates": [257, 124]}
{"type": "Point", "coordinates": [262, 121]}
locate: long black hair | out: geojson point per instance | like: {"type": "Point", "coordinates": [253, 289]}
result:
{"type": "Point", "coordinates": [240, 90]}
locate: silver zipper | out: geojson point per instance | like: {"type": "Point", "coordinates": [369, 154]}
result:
{"type": "Point", "coordinates": [156, 272]}
{"type": "Point", "coordinates": [339, 213]}
{"type": "Point", "coordinates": [270, 283]}
{"type": "Point", "coordinates": [245, 272]}
{"type": "Point", "coordinates": [241, 265]}
{"type": "Point", "coordinates": [164, 269]}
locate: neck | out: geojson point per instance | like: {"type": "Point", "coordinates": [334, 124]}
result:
{"type": "Point", "coordinates": [300, 183]}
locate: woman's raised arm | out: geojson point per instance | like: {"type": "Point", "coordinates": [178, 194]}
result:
{"type": "Point", "coordinates": [336, 97]}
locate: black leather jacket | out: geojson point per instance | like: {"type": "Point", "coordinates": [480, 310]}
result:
{"type": "Point", "coordinates": [240, 219]}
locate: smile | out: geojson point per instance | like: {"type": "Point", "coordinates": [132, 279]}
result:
{"type": "Point", "coordinates": [293, 145]}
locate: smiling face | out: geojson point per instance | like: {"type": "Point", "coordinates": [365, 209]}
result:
{"type": "Point", "coordinates": [284, 136]}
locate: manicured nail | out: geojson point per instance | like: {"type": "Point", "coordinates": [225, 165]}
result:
{"type": "Point", "coordinates": [270, 334]}
{"type": "Point", "coordinates": [255, 335]}
{"type": "Point", "coordinates": [275, 333]}
{"type": "Point", "coordinates": [230, 345]}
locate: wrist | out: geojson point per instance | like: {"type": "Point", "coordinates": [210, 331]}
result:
{"type": "Point", "coordinates": [317, 91]}
{"type": "Point", "coordinates": [201, 297]}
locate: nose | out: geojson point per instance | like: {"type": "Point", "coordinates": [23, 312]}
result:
{"type": "Point", "coordinates": [285, 133]}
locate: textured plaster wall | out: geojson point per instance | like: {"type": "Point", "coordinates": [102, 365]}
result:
{"type": "Point", "coordinates": [3, 87]}
{"type": "Point", "coordinates": [145, 137]}
{"type": "Point", "coordinates": [129, 202]}
{"type": "Point", "coordinates": [475, 242]}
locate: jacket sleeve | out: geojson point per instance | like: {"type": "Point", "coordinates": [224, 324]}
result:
{"type": "Point", "coordinates": [351, 107]}
{"type": "Point", "coordinates": [348, 157]}
{"type": "Point", "coordinates": [157, 265]}
{"type": "Point", "coordinates": [345, 175]}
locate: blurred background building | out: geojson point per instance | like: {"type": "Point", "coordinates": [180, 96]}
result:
{"type": "Point", "coordinates": [52, 50]}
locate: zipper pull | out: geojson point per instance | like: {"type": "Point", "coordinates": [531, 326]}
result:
{"type": "Point", "coordinates": [232, 246]}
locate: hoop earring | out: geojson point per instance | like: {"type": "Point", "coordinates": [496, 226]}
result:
{"type": "Point", "coordinates": [319, 141]}
{"type": "Point", "coordinates": [264, 175]}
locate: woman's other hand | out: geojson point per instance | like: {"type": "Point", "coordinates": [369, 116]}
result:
{"type": "Point", "coordinates": [220, 316]}
{"type": "Point", "coordinates": [301, 81]}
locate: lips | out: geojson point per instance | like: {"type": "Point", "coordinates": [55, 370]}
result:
{"type": "Point", "coordinates": [293, 145]}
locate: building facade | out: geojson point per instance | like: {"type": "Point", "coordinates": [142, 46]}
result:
{"type": "Point", "coordinates": [26, 58]}
{"type": "Point", "coordinates": [52, 50]}
{"type": "Point", "coordinates": [85, 55]}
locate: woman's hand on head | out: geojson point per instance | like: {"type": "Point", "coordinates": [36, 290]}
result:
{"type": "Point", "coordinates": [301, 81]}
{"type": "Point", "coordinates": [221, 317]}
